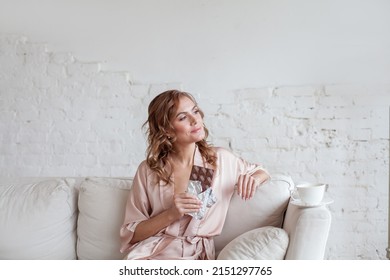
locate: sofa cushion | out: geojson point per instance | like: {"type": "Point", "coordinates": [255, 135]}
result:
{"type": "Point", "coordinates": [38, 218]}
{"type": "Point", "coordinates": [101, 212]}
{"type": "Point", "coordinates": [266, 243]}
{"type": "Point", "coordinates": [266, 208]}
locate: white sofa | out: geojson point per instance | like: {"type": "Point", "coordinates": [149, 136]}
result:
{"type": "Point", "coordinates": [79, 218]}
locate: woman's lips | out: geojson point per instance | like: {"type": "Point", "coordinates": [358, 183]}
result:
{"type": "Point", "coordinates": [196, 130]}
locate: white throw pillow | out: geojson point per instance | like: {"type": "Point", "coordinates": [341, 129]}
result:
{"type": "Point", "coordinates": [38, 218]}
{"type": "Point", "coordinates": [267, 243]}
{"type": "Point", "coordinates": [101, 212]}
{"type": "Point", "coordinates": [266, 208]}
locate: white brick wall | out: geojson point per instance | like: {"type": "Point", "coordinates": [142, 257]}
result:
{"type": "Point", "coordinates": [63, 117]}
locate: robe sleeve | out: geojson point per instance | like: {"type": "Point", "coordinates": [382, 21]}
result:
{"type": "Point", "coordinates": [245, 167]}
{"type": "Point", "coordinates": [137, 207]}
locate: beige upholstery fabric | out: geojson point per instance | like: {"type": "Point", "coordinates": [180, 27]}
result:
{"type": "Point", "coordinates": [101, 205]}
{"type": "Point", "coordinates": [266, 243]}
{"type": "Point", "coordinates": [38, 218]}
{"type": "Point", "coordinates": [266, 208]}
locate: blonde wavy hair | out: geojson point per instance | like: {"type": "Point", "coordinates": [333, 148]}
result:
{"type": "Point", "coordinates": [161, 111]}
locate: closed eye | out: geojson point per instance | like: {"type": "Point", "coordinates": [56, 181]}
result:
{"type": "Point", "coordinates": [183, 115]}
{"type": "Point", "coordinates": [196, 110]}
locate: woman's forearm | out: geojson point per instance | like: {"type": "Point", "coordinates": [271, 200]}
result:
{"type": "Point", "coordinates": [152, 226]}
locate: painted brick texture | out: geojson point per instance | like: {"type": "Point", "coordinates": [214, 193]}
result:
{"type": "Point", "coordinates": [63, 117]}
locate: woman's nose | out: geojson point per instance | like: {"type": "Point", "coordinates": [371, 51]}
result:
{"type": "Point", "coordinates": [193, 120]}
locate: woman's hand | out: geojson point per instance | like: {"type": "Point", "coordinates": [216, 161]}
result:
{"type": "Point", "coordinates": [185, 203]}
{"type": "Point", "coordinates": [246, 186]}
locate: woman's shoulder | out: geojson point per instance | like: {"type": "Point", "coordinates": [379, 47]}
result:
{"type": "Point", "coordinates": [224, 152]}
{"type": "Point", "coordinates": [143, 164]}
{"type": "Point", "coordinates": [144, 168]}
{"type": "Point", "coordinates": [144, 171]}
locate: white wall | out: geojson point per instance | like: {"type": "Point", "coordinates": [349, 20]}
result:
{"type": "Point", "coordinates": [301, 87]}
{"type": "Point", "coordinates": [219, 44]}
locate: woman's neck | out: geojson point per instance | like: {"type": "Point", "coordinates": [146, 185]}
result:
{"type": "Point", "coordinates": [184, 156]}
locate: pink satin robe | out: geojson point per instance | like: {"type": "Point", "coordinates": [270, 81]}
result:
{"type": "Point", "coordinates": [187, 238]}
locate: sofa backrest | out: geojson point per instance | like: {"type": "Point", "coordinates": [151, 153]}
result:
{"type": "Point", "coordinates": [101, 213]}
{"type": "Point", "coordinates": [69, 218]}
{"type": "Point", "coordinates": [38, 218]}
{"type": "Point", "coordinates": [266, 208]}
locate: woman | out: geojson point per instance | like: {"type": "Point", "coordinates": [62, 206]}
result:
{"type": "Point", "coordinates": [159, 217]}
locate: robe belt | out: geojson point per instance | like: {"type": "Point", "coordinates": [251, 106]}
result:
{"type": "Point", "coordinates": [204, 245]}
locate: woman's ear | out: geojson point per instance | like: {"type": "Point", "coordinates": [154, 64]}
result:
{"type": "Point", "coordinates": [170, 135]}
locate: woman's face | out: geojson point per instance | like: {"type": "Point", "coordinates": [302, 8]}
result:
{"type": "Point", "coordinates": [187, 122]}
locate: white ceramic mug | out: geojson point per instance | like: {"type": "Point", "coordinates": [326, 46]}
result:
{"type": "Point", "coordinates": [309, 193]}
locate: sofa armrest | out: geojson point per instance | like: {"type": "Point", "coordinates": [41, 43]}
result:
{"type": "Point", "coordinates": [308, 230]}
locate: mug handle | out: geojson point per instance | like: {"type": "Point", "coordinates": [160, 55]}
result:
{"type": "Point", "coordinates": [294, 194]}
